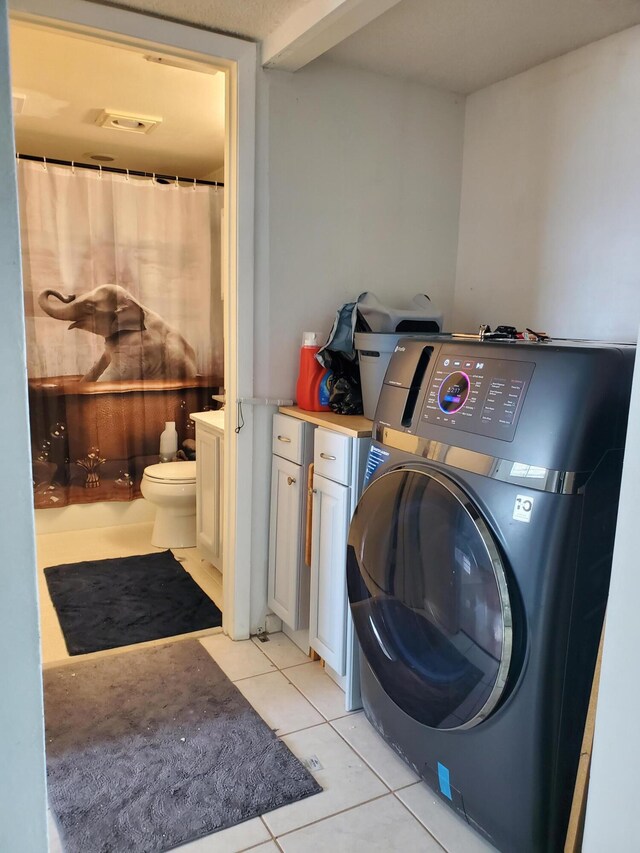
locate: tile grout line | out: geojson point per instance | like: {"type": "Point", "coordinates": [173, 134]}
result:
{"type": "Point", "coordinates": [361, 757]}
{"type": "Point", "coordinates": [415, 817]}
{"type": "Point", "coordinates": [296, 665]}
{"type": "Point", "coordinates": [258, 645]}
{"type": "Point", "coordinates": [323, 720]}
{"type": "Point", "coordinates": [410, 785]}
{"type": "Point", "coordinates": [268, 828]}
{"type": "Point", "coordinates": [329, 816]}
{"type": "Point", "coordinates": [247, 677]}
{"type": "Point", "coordinates": [297, 731]}
{"type": "Point", "coordinates": [310, 701]}
{"type": "Point", "coordinates": [279, 668]}
{"type": "Point", "coordinates": [315, 707]}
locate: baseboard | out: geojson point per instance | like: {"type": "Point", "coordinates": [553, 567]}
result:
{"type": "Point", "coordinates": [86, 516]}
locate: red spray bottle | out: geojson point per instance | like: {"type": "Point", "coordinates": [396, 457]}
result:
{"type": "Point", "coordinates": [314, 380]}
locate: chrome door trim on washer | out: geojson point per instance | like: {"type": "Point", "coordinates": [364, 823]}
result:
{"type": "Point", "coordinates": [501, 580]}
{"type": "Point", "coordinates": [505, 470]}
{"type": "Point", "coordinates": [497, 565]}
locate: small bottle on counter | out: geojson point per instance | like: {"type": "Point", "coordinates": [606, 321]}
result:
{"type": "Point", "coordinates": [168, 442]}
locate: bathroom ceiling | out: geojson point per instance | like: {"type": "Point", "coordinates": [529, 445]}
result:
{"type": "Point", "coordinates": [63, 84]}
{"type": "Point", "coordinates": [459, 45]}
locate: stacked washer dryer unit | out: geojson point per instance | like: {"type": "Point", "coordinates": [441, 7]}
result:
{"type": "Point", "coordinates": [478, 569]}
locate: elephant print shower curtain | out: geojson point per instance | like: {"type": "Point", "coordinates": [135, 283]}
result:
{"type": "Point", "coordinates": [124, 323]}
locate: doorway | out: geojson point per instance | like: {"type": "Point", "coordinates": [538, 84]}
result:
{"type": "Point", "coordinates": [124, 295]}
{"type": "Point", "coordinates": [186, 47]}
{"type": "Point", "coordinates": [23, 711]}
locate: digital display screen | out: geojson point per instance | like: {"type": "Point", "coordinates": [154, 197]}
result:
{"type": "Point", "coordinates": [482, 396]}
{"type": "Point", "coordinates": [453, 392]}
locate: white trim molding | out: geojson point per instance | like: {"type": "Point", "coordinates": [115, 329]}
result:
{"type": "Point", "coordinates": [315, 28]}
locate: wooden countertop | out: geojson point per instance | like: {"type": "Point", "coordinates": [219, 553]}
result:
{"type": "Point", "coordinates": [356, 426]}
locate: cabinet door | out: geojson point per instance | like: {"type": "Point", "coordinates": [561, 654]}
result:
{"type": "Point", "coordinates": [209, 495]}
{"type": "Point", "coordinates": [285, 563]}
{"type": "Point", "coordinates": [327, 617]}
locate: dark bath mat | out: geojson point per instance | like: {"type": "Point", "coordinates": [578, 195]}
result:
{"type": "Point", "coordinates": [152, 748]}
{"type": "Point", "coordinates": [103, 604]}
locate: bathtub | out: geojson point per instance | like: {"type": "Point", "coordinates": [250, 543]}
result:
{"type": "Point", "coordinates": [75, 424]}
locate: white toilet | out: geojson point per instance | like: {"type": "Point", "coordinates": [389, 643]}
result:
{"type": "Point", "coordinates": [171, 487]}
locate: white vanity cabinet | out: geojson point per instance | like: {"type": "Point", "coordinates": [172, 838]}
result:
{"type": "Point", "coordinates": [338, 462]}
{"type": "Point", "coordinates": [340, 448]}
{"type": "Point", "coordinates": [288, 576]}
{"type": "Point", "coordinates": [210, 485]}
{"type": "Point", "coordinates": [328, 602]}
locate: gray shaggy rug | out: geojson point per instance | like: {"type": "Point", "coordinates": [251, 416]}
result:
{"type": "Point", "coordinates": [150, 749]}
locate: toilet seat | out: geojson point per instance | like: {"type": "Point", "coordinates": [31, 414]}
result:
{"type": "Point", "coordinates": [171, 472]}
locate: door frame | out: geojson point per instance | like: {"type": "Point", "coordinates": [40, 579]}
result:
{"type": "Point", "coordinates": [237, 58]}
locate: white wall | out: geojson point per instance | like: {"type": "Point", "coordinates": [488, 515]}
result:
{"type": "Point", "coordinates": [358, 188]}
{"type": "Point", "coordinates": [612, 812]}
{"type": "Point", "coordinates": [22, 777]}
{"type": "Point", "coordinates": [363, 184]}
{"type": "Point", "coordinates": [549, 239]}
{"type": "Point", "coordinates": [551, 197]}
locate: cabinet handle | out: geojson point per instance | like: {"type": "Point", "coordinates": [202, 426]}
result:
{"type": "Point", "coordinates": [291, 480]}
{"type": "Point", "coordinates": [284, 438]}
{"type": "Point", "coordinates": [308, 526]}
{"type": "Point", "coordinates": [328, 456]}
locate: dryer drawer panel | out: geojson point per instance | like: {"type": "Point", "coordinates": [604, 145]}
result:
{"type": "Point", "coordinates": [288, 438]}
{"type": "Point", "coordinates": [332, 456]}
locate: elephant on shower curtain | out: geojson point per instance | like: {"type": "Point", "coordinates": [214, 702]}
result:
{"type": "Point", "coordinates": [139, 344]}
{"type": "Point", "coordinates": [134, 267]}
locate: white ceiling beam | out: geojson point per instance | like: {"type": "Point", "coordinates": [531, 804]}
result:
{"type": "Point", "coordinates": [315, 28]}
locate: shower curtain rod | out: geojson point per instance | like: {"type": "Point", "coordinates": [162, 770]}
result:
{"type": "Point", "coordinates": [134, 172]}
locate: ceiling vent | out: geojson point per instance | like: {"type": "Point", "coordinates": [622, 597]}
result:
{"type": "Point", "coordinates": [18, 103]}
{"type": "Point", "coordinates": [101, 158]}
{"type": "Point", "coordinates": [128, 122]}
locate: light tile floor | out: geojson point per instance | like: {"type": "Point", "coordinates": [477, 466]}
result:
{"type": "Point", "coordinates": [370, 799]}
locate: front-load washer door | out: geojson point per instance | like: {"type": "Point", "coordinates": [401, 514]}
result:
{"type": "Point", "coordinates": [429, 598]}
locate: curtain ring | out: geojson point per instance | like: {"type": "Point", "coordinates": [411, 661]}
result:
{"type": "Point", "coordinates": [216, 188]}
{"type": "Point", "coordinates": [73, 168]}
{"type": "Point", "coordinates": [100, 168]}
{"type": "Point", "coordinates": [177, 184]}
{"type": "Point", "coordinates": [127, 179]}
{"type": "Point", "coordinates": [17, 155]}
{"type": "Point", "coordinates": [44, 163]}
{"type": "Point", "coordinates": [194, 184]}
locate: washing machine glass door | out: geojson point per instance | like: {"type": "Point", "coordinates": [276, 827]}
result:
{"type": "Point", "coordinates": [429, 598]}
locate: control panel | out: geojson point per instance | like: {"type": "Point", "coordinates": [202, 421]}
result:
{"type": "Point", "coordinates": [482, 396]}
